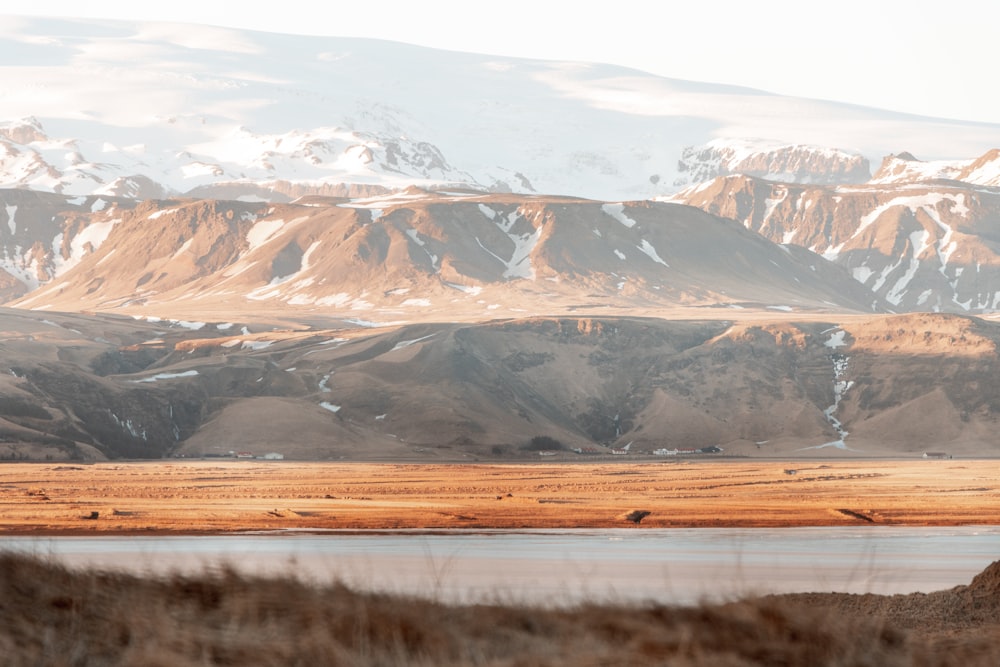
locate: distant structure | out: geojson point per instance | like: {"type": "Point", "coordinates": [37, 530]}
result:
{"type": "Point", "coordinates": [622, 451]}
{"type": "Point", "coordinates": [937, 455]}
{"type": "Point", "coordinates": [711, 449]}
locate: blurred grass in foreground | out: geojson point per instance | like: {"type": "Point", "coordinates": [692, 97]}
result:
{"type": "Point", "coordinates": [51, 615]}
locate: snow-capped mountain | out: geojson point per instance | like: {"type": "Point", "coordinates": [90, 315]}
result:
{"type": "Point", "coordinates": [905, 168]}
{"type": "Point", "coordinates": [29, 158]}
{"type": "Point", "coordinates": [139, 110]}
{"type": "Point", "coordinates": [771, 160]}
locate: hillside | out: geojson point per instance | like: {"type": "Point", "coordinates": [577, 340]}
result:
{"type": "Point", "coordinates": [90, 387]}
{"type": "Point", "coordinates": [417, 255]}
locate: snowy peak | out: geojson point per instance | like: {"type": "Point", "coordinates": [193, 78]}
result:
{"type": "Point", "coordinates": [905, 168]}
{"type": "Point", "coordinates": [30, 158]}
{"type": "Point", "coordinates": [983, 171]}
{"type": "Point", "coordinates": [133, 187]}
{"type": "Point", "coordinates": [241, 159]}
{"type": "Point", "coordinates": [23, 131]}
{"type": "Point", "coordinates": [772, 161]}
{"type": "Point", "coordinates": [321, 155]}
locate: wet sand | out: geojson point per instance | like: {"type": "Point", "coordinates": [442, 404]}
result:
{"type": "Point", "coordinates": [231, 496]}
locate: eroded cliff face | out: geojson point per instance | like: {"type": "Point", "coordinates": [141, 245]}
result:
{"type": "Point", "coordinates": [929, 246]}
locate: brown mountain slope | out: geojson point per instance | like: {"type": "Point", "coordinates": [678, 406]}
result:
{"type": "Point", "coordinates": [426, 256]}
{"type": "Point", "coordinates": [89, 386]}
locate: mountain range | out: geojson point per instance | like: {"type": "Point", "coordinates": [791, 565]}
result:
{"type": "Point", "coordinates": [151, 110]}
{"type": "Point", "coordinates": [215, 241]}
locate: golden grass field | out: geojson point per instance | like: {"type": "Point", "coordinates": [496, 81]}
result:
{"type": "Point", "coordinates": [228, 495]}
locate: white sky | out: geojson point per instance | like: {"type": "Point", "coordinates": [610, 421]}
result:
{"type": "Point", "coordinates": [919, 56]}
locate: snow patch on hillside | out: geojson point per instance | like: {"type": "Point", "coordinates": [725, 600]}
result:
{"type": "Point", "coordinates": [414, 236]}
{"type": "Point", "coordinates": [617, 211]}
{"type": "Point", "coordinates": [263, 231]}
{"type": "Point", "coordinates": [167, 376]}
{"type": "Point", "coordinates": [88, 240]}
{"type": "Point", "coordinates": [407, 343]}
{"type": "Point", "coordinates": [650, 252]}
{"type": "Point", "coordinates": [518, 266]}
{"type": "Point", "coordinates": [919, 242]}
{"type": "Point", "coordinates": [162, 212]}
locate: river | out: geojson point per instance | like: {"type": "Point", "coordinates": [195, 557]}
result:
{"type": "Point", "coordinates": [559, 567]}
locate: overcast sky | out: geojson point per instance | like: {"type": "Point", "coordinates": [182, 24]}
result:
{"type": "Point", "coordinates": [919, 56]}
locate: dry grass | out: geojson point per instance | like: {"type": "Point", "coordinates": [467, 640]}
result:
{"type": "Point", "coordinates": [50, 615]}
{"type": "Point", "coordinates": [225, 496]}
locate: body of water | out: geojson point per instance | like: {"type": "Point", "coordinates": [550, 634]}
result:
{"type": "Point", "coordinates": [672, 566]}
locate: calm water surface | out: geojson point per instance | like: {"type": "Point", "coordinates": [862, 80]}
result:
{"type": "Point", "coordinates": [678, 566]}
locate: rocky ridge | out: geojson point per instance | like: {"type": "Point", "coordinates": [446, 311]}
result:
{"type": "Point", "coordinates": [905, 168]}
{"type": "Point", "coordinates": [926, 245]}
{"type": "Point", "coordinates": [772, 161]}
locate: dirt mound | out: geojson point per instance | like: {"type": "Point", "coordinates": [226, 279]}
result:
{"type": "Point", "coordinates": [960, 611]}
{"type": "Point", "coordinates": [984, 591]}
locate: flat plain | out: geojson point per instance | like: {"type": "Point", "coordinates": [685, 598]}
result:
{"type": "Point", "coordinates": [219, 496]}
